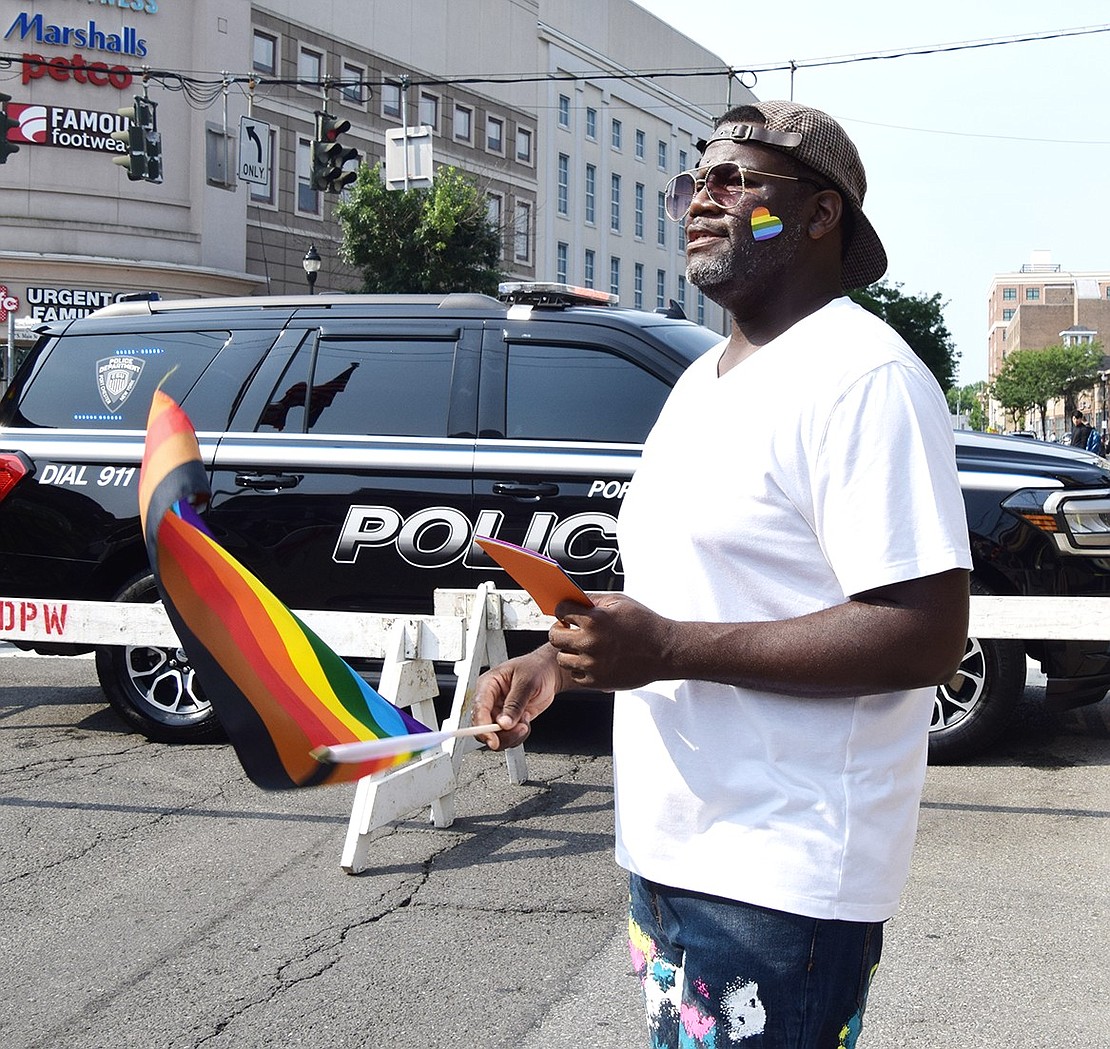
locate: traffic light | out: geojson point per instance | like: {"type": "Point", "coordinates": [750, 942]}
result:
{"type": "Point", "coordinates": [143, 159]}
{"type": "Point", "coordinates": [6, 124]}
{"type": "Point", "coordinates": [329, 156]}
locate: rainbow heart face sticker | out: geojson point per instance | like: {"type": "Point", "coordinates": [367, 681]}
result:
{"type": "Point", "coordinates": [765, 225]}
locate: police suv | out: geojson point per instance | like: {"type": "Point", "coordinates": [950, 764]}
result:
{"type": "Point", "coordinates": [358, 444]}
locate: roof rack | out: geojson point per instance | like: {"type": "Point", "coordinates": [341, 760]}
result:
{"type": "Point", "coordinates": [541, 293]}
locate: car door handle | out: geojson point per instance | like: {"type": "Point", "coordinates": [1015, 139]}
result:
{"type": "Point", "coordinates": [525, 492]}
{"type": "Point", "coordinates": [268, 482]}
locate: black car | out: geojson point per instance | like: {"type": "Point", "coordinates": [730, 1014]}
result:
{"type": "Point", "coordinates": [358, 444]}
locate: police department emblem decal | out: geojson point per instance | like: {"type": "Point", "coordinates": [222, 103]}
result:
{"type": "Point", "coordinates": [116, 378]}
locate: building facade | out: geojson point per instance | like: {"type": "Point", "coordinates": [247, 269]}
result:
{"type": "Point", "coordinates": [541, 101]}
{"type": "Point", "coordinates": [1039, 305]}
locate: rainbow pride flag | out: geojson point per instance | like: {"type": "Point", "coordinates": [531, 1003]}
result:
{"type": "Point", "coordinates": [279, 691]}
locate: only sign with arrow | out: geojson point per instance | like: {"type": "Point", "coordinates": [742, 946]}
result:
{"type": "Point", "coordinates": [254, 151]}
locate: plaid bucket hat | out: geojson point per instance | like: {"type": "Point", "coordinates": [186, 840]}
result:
{"type": "Point", "coordinates": [819, 142]}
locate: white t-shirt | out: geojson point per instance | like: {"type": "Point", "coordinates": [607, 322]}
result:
{"type": "Point", "coordinates": [819, 467]}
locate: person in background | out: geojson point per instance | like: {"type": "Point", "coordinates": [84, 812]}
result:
{"type": "Point", "coordinates": [795, 586]}
{"type": "Point", "coordinates": [1080, 431]}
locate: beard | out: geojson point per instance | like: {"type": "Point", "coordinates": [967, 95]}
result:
{"type": "Point", "coordinates": [716, 272]}
{"type": "Point", "coordinates": [746, 268]}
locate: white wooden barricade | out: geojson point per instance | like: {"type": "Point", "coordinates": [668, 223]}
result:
{"type": "Point", "coordinates": [432, 778]}
{"type": "Point", "coordinates": [467, 628]}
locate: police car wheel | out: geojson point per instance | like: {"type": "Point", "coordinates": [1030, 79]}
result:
{"type": "Point", "coordinates": [972, 709]}
{"type": "Point", "coordinates": [154, 690]}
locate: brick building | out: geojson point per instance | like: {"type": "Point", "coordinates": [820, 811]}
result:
{"type": "Point", "coordinates": [1041, 305]}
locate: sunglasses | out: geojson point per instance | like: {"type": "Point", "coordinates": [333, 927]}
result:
{"type": "Point", "coordinates": [724, 184]}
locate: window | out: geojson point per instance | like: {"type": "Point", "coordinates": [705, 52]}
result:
{"type": "Point", "coordinates": [404, 386]}
{"type": "Point", "coordinates": [310, 69]}
{"type": "Point", "coordinates": [522, 231]}
{"type": "Point", "coordinates": [701, 307]}
{"type": "Point", "coordinates": [616, 133]}
{"type": "Point", "coordinates": [591, 193]}
{"type": "Point", "coordinates": [1007, 314]}
{"type": "Point", "coordinates": [660, 288]}
{"type": "Point", "coordinates": [682, 293]}
{"type": "Point", "coordinates": [564, 111]}
{"type": "Point", "coordinates": [493, 210]}
{"type": "Point", "coordinates": [588, 268]}
{"type": "Point", "coordinates": [563, 186]}
{"type": "Point", "coordinates": [264, 53]}
{"type": "Point", "coordinates": [561, 250]}
{"type": "Point", "coordinates": [661, 220]}
{"type": "Point", "coordinates": [308, 199]}
{"type": "Point", "coordinates": [266, 194]}
{"type": "Point", "coordinates": [464, 123]}
{"type": "Point", "coordinates": [1032, 294]}
{"type": "Point", "coordinates": [524, 145]}
{"type": "Point", "coordinates": [639, 204]}
{"type": "Point", "coordinates": [682, 165]}
{"type": "Point", "coordinates": [391, 100]}
{"type": "Point", "coordinates": [614, 275]}
{"type": "Point", "coordinates": [615, 203]}
{"type": "Point", "coordinates": [638, 286]}
{"type": "Point", "coordinates": [591, 124]}
{"type": "Point", "coordinates": [578, 393]}
{"type": "Point", "coordinates": [429, 110]}
{"type": "Point", "coordinates": [352, 90]}
{"type": "Point", "coordinates": [640, 139]}
{"type": "Point", "coordinates": [495, 134]}
{"type": "Point", "coordinates": [1009, 293]}
{"type": "Point", "coordinates": [662, 155]}
{"type": "Point", "coordinates": [51, 399]}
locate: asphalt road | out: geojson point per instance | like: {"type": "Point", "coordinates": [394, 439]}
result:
{"type": "Point", "coordinates": [151, 897]}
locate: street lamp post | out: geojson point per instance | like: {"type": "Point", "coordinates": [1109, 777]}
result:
{"type": "Point", "coordinates": [311, 263]}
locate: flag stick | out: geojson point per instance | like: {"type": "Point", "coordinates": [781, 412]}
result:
{"type": "Point", "coordinates": [367, 750]}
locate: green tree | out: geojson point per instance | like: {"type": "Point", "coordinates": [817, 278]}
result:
{"type": "Point", "coordinates": [1069, 370]}
{"type": "Point", "coordinates": [1030, 378]}
{"type": "Point", "coordinates": [969, 400]}
{"type": "Point", "coordinates": [1020, 387]}
{"type": "Point", "coordinates": [919, 319]}
{"type": "Point", "coordinates": [420, 240]}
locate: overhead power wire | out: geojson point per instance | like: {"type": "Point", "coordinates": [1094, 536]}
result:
{"type": "Point", "coordinates": [202, 90]}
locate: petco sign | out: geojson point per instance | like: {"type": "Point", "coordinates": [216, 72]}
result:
{"type": "Point", "coordinates": [66, 127]}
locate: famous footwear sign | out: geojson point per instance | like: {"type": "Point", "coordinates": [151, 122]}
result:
{"type": "Point", "coordinates": [66, 127]}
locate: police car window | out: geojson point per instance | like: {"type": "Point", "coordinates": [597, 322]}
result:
{"type": "Point", "coordinates": [574, 393]}
{"type": "Point", "coordinates": [109, 380]}
{"type": "Point", "coordinates": [397, 388]}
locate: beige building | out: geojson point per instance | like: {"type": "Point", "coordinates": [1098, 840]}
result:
{"type": "Point", "coordinates": [1040, 305]}
{"type": "Point", "coordinates": [572, 146]}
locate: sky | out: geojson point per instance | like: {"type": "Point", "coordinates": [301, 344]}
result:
{"type": "Point", "coordinates": [976, 158]}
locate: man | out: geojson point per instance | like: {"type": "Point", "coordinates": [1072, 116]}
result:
{"type": "Point", "coordinates": [796, 586]}
{"type": "Point", "coordinates": [1080, 431]}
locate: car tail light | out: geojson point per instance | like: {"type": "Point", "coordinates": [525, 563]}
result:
{"type": "Point", "coordinates": [14, 466]}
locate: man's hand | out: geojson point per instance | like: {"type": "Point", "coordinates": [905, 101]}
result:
{"type": "Point", "coordinates": [515, 692]}
{"type": "Point", "coordinates": [617, 644]}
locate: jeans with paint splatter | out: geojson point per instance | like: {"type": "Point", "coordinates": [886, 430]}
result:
{"type": "Point", "coordinates": [717, 973]}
